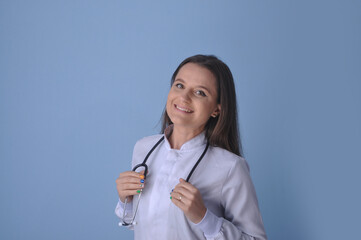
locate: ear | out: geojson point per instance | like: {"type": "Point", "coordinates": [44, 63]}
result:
{"type": "Point", "coordinates": [217, 111]}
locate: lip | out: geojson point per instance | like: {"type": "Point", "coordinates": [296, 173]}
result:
{"type": "Point", "coordinates": [183, 109]}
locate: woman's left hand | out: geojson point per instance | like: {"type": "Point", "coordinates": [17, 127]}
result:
{"type": "Point", "coordinates": [189, 200]}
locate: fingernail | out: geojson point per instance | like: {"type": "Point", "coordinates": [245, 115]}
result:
{"type": "Point", "coordinates": [171, 197]}
{"type": "Point", "coordinates": [138, 191]}
{"type": "Point", "coordinates": [141, 176]}
{"type": "Point", "coordinates": [172, 189]}
{"type": "Point", "coordinates": [142, 181]}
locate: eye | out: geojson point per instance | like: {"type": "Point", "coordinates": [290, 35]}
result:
{"type": "Point", "coordinates": [179, 85]}
{"type": "Point", "coordinates": [201, 93]}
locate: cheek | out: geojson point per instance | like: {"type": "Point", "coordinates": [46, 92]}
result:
{"type": "Point", "coordinates": [208, 110]}
{"type": "Point", "coordinates": [169, 102]}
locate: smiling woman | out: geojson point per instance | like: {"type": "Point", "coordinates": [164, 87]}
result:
{"type": "Point", "coordinates": [199, 143]}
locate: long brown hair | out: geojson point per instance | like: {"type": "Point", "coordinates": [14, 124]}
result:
{"type": "Point", "coordinates": [221, 131]}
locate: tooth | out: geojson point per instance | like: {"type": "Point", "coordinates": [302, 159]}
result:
{"type": "Point", "coordinates": [183, 109]}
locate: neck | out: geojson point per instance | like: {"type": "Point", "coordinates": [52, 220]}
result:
{"type": "Point", "coordinates": [180, 136]}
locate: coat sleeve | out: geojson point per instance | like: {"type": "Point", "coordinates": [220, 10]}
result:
{"type": "Point", "coordinates": [242, 218]}
{"type": "Point", "coordinates": [119, 211]}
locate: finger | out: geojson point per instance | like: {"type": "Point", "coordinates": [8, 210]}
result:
{"type": "Point", "coordinates": [130, 178]}
{"type": "Point", "coordinates": [182, 194]}
{"type": "Point", "coordinates": [129, 193]}
{"type": "Point", "coordinates": [184, 186]}
{"type": "Point", "coordinates": [183, 183]}
{"type": "Point", "coordinates": [131, 174]}
{"type": "Point", "coordinates": [125, 188]}
{"type": "Point", "coordinates": [127, 183]}
{"type": "Point", "coordinates": [179, 193]}
{"type": "Point", "coordinates": [184, 190]}
{"type": "Point", "coordinates": [133, 186]}
{"type": "Point", "coordinates": [179, 200]}
{"type": "Point", "coordinates": [145, 174]}
{"type": "Point", "coordinates": [177, 203]}
{"type": "Point", "coordinates": [178, 196]}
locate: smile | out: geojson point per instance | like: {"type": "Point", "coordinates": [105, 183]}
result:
{"type": "Point", "coordinates": [183, 109]}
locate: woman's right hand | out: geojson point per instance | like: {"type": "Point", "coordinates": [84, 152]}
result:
{"type": "Point", "coordinates": [129, 183]}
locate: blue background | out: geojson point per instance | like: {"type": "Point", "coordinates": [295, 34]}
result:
{"type": "Point", "coordinates": [81, 81]}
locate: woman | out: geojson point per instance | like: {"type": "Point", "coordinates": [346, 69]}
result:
{"type": "Point", "coordinates": [200, 143]}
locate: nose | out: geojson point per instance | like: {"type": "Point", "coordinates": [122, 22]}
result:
{"type": "Point", "coordinates": [186, 96]}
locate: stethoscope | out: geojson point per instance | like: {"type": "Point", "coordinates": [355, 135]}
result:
{"type": "Point", "coordinates": [145, 166]}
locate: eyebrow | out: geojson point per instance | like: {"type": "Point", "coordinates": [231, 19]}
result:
{"type": "Point", "coordinates": [198, 86]}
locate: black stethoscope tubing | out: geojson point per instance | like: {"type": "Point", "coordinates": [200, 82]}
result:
{"type": "Point", "coordinates": [143, 164]}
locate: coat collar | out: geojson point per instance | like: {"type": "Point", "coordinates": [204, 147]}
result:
{"type": "Point", "coordinates": [194, 143]}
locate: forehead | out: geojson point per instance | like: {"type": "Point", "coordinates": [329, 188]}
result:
{"type": "Point", "coordinates": [192, 73]}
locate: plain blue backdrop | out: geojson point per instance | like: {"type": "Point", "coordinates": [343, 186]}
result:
{"type": "Point", "coordinates": [82, 81]}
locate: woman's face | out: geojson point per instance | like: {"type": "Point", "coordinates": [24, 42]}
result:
{"type": "Point", "coordinates": [192, 99]}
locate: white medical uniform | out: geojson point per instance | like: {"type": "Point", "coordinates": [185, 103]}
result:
{"type": "Point", "coordinates": [221, 177]}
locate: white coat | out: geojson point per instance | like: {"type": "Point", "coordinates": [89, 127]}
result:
{"type": "Point", "coordinates": [221, 177]}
